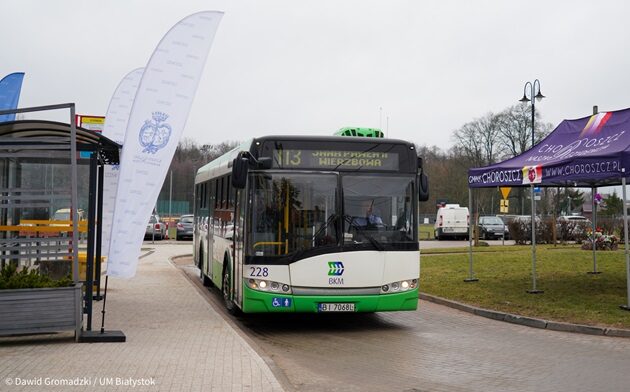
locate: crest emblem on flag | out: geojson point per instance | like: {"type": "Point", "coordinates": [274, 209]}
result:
{"type": "Point", "coordinates": [532, 174]}
{"type": "Point", "coordinates": [154, 135]}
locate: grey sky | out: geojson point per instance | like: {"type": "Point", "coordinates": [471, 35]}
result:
{"type": "Point", "coordinates": [311, 67]}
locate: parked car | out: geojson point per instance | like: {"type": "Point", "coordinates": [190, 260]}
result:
{"type": "Point", "coordinates": [574, 218]}
{"type": "Point", "coordinates": [185, 227]}
{"type": "Point", "coordinates": [451, 221]}
{"type": "Point", "coordinates": [492, 227]}
{"type": "Point", "coordinates": [155, 226]}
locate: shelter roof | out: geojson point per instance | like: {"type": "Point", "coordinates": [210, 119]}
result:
{"type": "Point", "coordinates": [52, 135]}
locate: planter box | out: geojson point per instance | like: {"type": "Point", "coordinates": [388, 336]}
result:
{"type": "Point", "coordinates": [27, 311]}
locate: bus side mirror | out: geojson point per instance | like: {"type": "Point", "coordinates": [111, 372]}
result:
{"type": "Point", "coordinates": [423, 187]}
{"type": "Point", "coordinates": [240, 167]}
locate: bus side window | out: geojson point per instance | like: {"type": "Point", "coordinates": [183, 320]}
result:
{"type": "Point", "coordinates": [216, 194]}
{"type": "Point", "coordinates": [197, 197]}
{"type": "Point", "coordinates": [223, 192]}
{"type": "Point", "coordinates": [228, 192]}
{"type": "Point", "coordinates": [204, 197]}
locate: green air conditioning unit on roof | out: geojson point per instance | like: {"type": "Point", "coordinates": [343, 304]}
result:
{"type": "Point", "coordinates": [362, 132]}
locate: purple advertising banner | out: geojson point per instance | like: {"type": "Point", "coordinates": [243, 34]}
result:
{"type": "Point", "coordinates": [590, 151]}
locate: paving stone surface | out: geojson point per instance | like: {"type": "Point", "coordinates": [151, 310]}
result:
{"type": "Point", "coordinates": [175, 342]}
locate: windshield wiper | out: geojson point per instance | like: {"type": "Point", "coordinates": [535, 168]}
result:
{"type": "Point", "coordinates": [362, 231]}
{"type": "Point", "coordinates": [324, 225]}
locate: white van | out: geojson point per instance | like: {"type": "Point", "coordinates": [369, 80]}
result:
{"type": "Point", "coordinates": [452, 221]}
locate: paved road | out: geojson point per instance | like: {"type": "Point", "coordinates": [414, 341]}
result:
{"type": "Point", "coordinates": [433, 349]}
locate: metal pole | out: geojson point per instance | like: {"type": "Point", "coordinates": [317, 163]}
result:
{"type": "Point", "coordinates": [534, 290]}
{"type": "Point", "coordinates": [471, 277]}
{"type": "Point", "coordinates": [103, 311]}
{"type": "Point", "coordinates": [380, 118]}
{"type": "Point", "coordinates": [99, 230]}
{"type": "Point", "coordinates": [74, 201]}
{"type": "Point", "coordinates": [625, 237]}
{"type": "Point", "coordinates": [89, 279]}
{"type": "Point", "coordinates": [170, 199]}
{"type": "Point", "coordinates": [533, 114]}
{"type": "Point", "coordinates": [594, 209]}
{"type": "Point", "coordinates": [154, 224]}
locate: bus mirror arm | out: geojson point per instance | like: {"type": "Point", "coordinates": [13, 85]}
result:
{"type": "Point", "coordinates": [260, 163]}
{"type": "Point", "coordinates": [241, 165]}
{"type": "Point", "coordinates": [264, 163]}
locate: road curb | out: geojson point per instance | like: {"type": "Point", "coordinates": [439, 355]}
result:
{"type": "Point", "coordinates": [527, 321]}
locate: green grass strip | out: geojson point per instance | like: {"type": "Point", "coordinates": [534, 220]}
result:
{"type": "Point", "coordinates": [504, 273]}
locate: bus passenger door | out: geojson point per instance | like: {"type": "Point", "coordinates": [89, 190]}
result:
{"type": "Point", "coordinates": [239, 244]}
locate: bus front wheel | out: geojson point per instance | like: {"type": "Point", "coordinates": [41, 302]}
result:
{"type": "Point", "coordinates": [226, 289]}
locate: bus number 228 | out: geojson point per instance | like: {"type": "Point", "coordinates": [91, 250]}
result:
{"type": "Point", "coordinates": [259, 271]}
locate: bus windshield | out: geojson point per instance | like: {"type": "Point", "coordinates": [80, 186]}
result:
{"type": "Point", "coordinates": [378, 210]}
{"type": "Point", "coordinates": [292, 212]}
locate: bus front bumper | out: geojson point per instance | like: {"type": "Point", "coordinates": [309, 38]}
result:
{"type": "Point", "coordinates": [263, 302]}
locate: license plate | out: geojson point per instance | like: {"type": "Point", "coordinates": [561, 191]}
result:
{"type": "Point", "coordinates": [335, 307]}
{"type": "Point", "coordinates": [455, 230]}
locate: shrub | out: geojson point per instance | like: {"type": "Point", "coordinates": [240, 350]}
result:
{"type": "Point", "coordinates": [10, 278]}
{"type": "Point", "coordinates": [521, 231]}
{"type": "Point", "coordinates": [572, 230]}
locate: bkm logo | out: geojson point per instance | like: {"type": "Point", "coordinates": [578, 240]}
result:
{"type": "Point", "coordinates": [335, 268]}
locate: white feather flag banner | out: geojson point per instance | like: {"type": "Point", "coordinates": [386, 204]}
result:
{"type": "Point", "coordinates": [156, 122]}
{"type": "Point", "coordinates": [116, 121]}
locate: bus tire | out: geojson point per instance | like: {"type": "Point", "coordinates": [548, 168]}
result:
{"type": "Point", "coordinates": [226, 291]}
{"type": "Point", "coordinates": [205, 280]}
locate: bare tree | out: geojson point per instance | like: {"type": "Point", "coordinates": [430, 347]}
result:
{"type": "Point", "coordinates": [479, 140]}
{"type": "Point", "coordinates": [515, 129]}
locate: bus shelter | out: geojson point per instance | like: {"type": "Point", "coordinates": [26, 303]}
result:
{"type": "Point", "coordinates": [50, 201]}
{"type": "Point", "coordinates": [588, 152]}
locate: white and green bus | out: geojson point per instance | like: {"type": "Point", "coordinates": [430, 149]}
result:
{"type": "Point", "coordinates": [311, 224]}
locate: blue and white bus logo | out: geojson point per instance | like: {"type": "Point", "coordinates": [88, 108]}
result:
{"type": "Point", "coordinates": [335, 268]}
{"type": "Point", "coordinates": [154, 135]}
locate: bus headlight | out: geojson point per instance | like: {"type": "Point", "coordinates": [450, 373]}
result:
{"type": "Point", "coordinates": [400, 286]}
{"type": "Point", "coordinates": [269, 286]}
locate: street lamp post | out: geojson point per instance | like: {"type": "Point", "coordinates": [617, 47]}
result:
{"type": "Point", "coordinates": [533, 98]}
{"type": "Point", "coordinates": [533, 87]}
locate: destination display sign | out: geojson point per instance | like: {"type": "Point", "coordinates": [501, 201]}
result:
{"type": "Point", "coordinates": [335, 160]}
